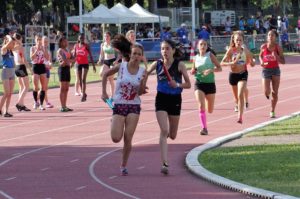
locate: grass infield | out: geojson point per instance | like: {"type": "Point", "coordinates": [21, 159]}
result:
{"type": "Point", "coordinates": [271, 167]}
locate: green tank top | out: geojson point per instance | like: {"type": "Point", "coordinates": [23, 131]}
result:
{"type": "Point", "coordinates": [203, 63]}
{"type": "Point", "coordinates": [108, 49]}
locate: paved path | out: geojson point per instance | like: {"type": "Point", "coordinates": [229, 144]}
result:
{"type": "Point", "coordinates": [70, 155]}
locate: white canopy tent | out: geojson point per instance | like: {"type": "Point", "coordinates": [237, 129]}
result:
{"type": "Point", "coordinates": [147, 16]}
{"type": "Point", "coordinates": [101, 14]}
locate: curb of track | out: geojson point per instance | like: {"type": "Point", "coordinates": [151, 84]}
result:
{"type": "Point", "coordinates": [196, 168]}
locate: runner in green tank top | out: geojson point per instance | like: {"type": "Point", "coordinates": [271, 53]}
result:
{"type": "Point", "coordinates": [205, 88]}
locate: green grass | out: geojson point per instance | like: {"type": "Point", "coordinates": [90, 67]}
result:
{"type": "Point", "coordinates": [287, 127]}
{"type": "Point", "coordinates": [272, 167]}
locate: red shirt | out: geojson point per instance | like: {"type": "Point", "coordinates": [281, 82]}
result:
{"type": "Point", "coordinates": [268, 58]}
{"type": "Point", "coordinates": [81, 54]}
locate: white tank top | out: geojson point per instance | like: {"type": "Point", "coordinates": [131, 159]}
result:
{"type": "Point", "coordinates": [18, 57]}
{"type": "Point", "coordinates": [128, 86]}
{"type": "Point", "coordinates": [39, 57]}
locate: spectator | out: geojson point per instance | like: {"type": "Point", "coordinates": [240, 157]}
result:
{"type": "Point", "coordinates": [267, 25]}
{"type": "Point", "coordinates": [242, 24]}
{"type": "Point", "coordinates": [250, 22]}
{"type": "Point", "coordinates": [279, 24]}
{"type": "Point", "coordinates": [204, 34]}
{"type": "Point", "coordinates": [166, 34]}
{"type": "Point", "coordinates": [182, 34]}
{"type": "Point", "coordinates": [273, 23]}
{"type": "Point", "coordinates": [285, 41]}
{"type": "Point", "coordinates": [298, 23]}
{"type": "Point", "coordinates": [227, 25]}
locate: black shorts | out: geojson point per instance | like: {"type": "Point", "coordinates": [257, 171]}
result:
{"type": "Point", "coordinates": [64, 74]}
{"type": "Point", "coordinates": [234, 78]}
{"type": "Point", "coordinates": [109, 62]}
{"type": "Point", "coordinates": [206, 88]}
{"type": "Point", "coordinates": [39, 69]}
{"type": "Point", "coordinates": [81, 66]}
{"type": "Point", "coordinates": [52, 46]}
{"type": "Point", "coordinates": [21, 71]}
{"type": "Point", "coordinates": [169, 103]}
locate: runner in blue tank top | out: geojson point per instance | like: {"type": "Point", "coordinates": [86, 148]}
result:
{"type": "Point", "coordinates": [169, 72]}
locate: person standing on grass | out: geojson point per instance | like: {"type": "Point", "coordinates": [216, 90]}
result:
{"type": "Point", "coordinates": [38, 54]}
{"type": "Point", "coordinates": [238, 57]}
{"type": "Point", "coordinates": [168, 100]}
{"type": "Point", "coordinates": [81, 53]}
{"type": "Point", "coordinates": [21, 72]}
{"type": "Point", "coordinates": [107, 59]}
{"type": "Point", "coordinates": [8, 74]}
{"type": "Point", "coordinates": [65, 60]}
{"type": "Point", "coordinates": [131, 82]}
{"type": "Point", "coordinates": [48, 64]}
{"type": "Point", "coordinates": [270, 56]}
{"type": "Point", "coordinates": [206, 64]}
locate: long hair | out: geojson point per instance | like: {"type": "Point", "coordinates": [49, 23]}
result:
{"type": "Point", "coordinates": [235, 33]}
{"type": "Point", "coordinates": [60, 41]}
{"type": "Point", "coordinates": [179, 52]}
{"type": "Point", "coordinates": [122, 44]}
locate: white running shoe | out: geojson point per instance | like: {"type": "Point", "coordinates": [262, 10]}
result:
{"type": "Point", "coordinates": [36, 105]}
{"type": "Point", "coordinates": [42, 108]}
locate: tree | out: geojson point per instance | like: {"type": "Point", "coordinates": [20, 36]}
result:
{"type": "Point", "coordinates": [109, 3]}
{"type": "Point", "coordinates": [95, 3]}
{"type": "Point", "coordinates": [3, 11]}
{"type": "Point", "coordinates": [140, 2]}
{"type": "Point", "coordinates": [128, 3]}
{"type": "Point", "coordinates": [295, 8]}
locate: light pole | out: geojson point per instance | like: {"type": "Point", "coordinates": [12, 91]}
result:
{"type": "Point", "coordinates": [193, 19]}
{"type": "Point", "coordinates": [80, 16]}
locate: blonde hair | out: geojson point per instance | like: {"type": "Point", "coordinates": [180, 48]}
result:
{"type": "Point", "coordinates": [128, 33]}
{"type": "Point", "coordinates": [235, 33]}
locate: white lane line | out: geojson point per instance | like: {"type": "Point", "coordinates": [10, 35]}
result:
{"type": "Point", "coordinates": [112, 177]}
{"type": "Point", "coordinates": [75, 160]}
{"type": "Point", "coordinates": [80, 188]}
{"type": "Point", "coordinates": [141, 167]}
{"type": "Point", "coordinates": [11, 178]}
{"type": "Point", "coordinates": [6, 196]}
{"type": "Point", "coordinates": [15, 154]}
{"type": "Point", "coordinates": [45, 169]}
{"type": "Point", "coordinates": [98, 180]}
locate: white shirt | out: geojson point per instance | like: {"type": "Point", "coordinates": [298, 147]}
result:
{"type": "Point", "coordinates": [128, 85]}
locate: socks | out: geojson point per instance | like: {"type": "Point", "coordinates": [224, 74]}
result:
{"type": "Point", "coordinates": [202, 116]}
{"type": "Point", "coordinates": [42, 97]}
{"type": "Point", "coordinates": [35, 94]}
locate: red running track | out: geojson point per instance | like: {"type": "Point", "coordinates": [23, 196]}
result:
{"type": "Point", "coordinates": [48, 154]}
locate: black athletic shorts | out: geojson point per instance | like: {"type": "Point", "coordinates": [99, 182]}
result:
{"type": "Point", "coordinates": [21, 71]}
{"type": "Point", "coordinates": [206, 88]}
{"type": "Point", "coordinates": [169, 103]}
{"type": "Point", "coordinates": [39, 69]}
{"type": "Point", "coordinates": [81, 66]}
{"type": "Point", "coordinates": [109, 62]}
{"type": "Point", "coordinates": [64, 74]}
{"type": "Point", "coordinates": [234, 78]}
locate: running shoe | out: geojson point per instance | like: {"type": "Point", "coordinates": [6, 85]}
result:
{"type": "Point", "coordinates": [68, 109]}
{"type": "Point", "coordinates": [63, 109]}
{"type": "Point", "coordinates": [272, 114]}
{"type": "Point", "coordinates": [124, 171]}
{"type": "Point", "coordinates": [42, 108]}
{"type": "Point", "coordinates": [165, 169]}
{"type": "Point", "coordinates": [236, 109]}
{"type": "Point", "coordinates": [77, 94]}
{"type": "Point", "coordinates": [49, 105]}
{"type": "Point", "coordinates": [24, 108]}
{"type": "Point", "coordinates": [36, 105]}
{"type": "Point", "coordinates": [7, 115]}
{"type": "Point", "coordinates": [19, 107]}
{"type": "Point", "coordinates": [83, 98]}
{"type": "Point", "coordinates": [267, 96]}
{"type": "Point", "coordinates": [204, 131]}
{"type": "Point", "coordinates": [240, 121]}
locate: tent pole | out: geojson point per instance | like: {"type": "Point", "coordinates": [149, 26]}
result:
{"type": "Point", "coordinates": [80, 16]}
{"type": "Point", "coordinates": [153, 31]}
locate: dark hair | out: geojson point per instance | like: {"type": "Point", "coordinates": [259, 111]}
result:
{"type": "Point", "coordinates": [17, 36]}
{"type": "Point", "coordinates": [179, 51]}
{"type": "Point", "coordinates": [121, 43]}
{"type": "Point", "coordinates": [274, 32]}
{"type": "Point", "coordinates": [60, 40]}
{"type": "Point", "coordinates": [138, 46]}
{"type": "Point", "coordinates": [108, 33]}
{"type": "Point", "coordinates": [79, 36]}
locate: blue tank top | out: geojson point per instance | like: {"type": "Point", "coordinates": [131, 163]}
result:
{"type": "Point", "coordinates": [162, 81]}
{"type": "Point", "coordinates": [8, 60]}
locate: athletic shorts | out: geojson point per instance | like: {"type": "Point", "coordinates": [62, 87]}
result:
{"type": "Point", "coordinates": [64, 74]}
{"type": "Point", "coordinates": [39, 69]}
{"type": "Point", "coordinates": [21, 71]}
{"type": "Point", "coordinates": [125, 109]}
{"type": "Point", "coordinates": [169, 103]}
{"type": "Point", "coordinates": [234, 78]}
{"type": "Point", "coordinates": [267, 73]}
{"type": "Point", "coordinates": [109, 62]}
{"type": "Point", "coordinates": [206, 88]}
{"type": "Point", "coordinates": [81, 66]}
{"type": "Point", "coordinates": [8, 74]}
